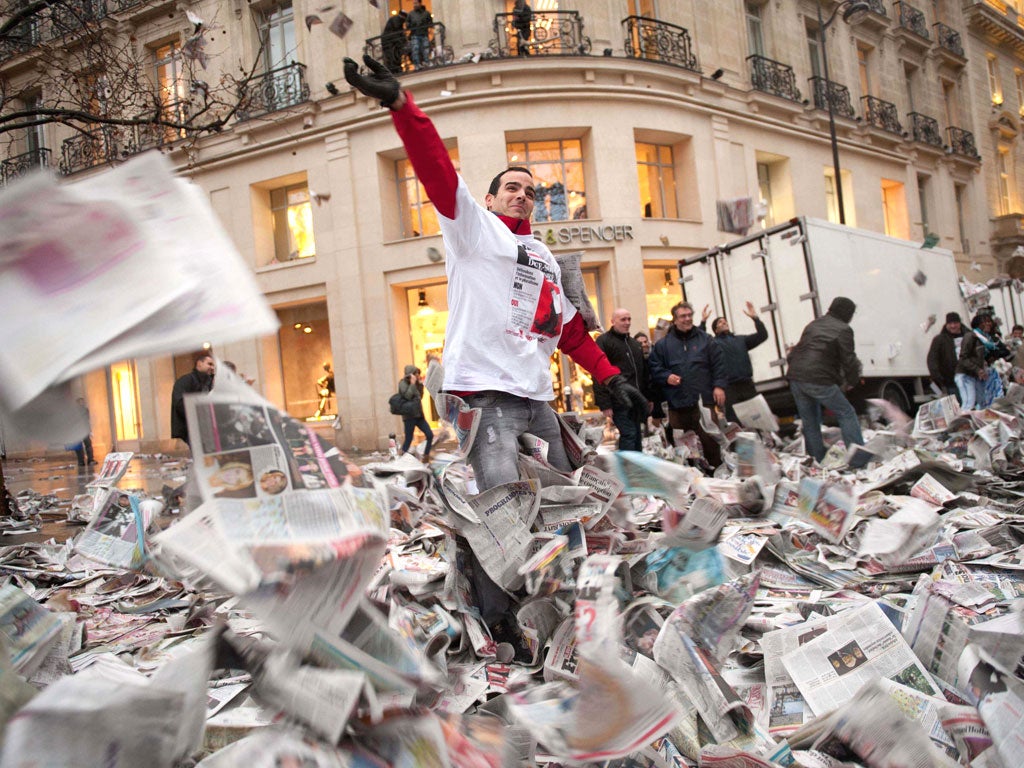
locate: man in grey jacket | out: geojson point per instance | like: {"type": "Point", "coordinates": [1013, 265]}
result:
{"type": "Point", "coordinates": [821, 366]}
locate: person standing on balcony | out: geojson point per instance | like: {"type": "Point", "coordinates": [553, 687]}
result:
{"type": "Point", "coordinates": [392, 41]}
{"type": "Point", "coordinates": [419, 23]}
{"type": "Point", "coordinates": [522, 18]}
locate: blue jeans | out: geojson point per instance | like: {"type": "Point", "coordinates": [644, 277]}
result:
{"type": "Point", "coordinates": [630, 436]}
{"type": "Point", "coordinates": [809, 400]}
{"type": "Point", "coordinates": [969, 388]}
{"type": "Point", "coordinates": [419, 50]}
{"type": "Point", "coordinates": [410, 425]}
{"type": "Point", "coordinates": [503, 419]}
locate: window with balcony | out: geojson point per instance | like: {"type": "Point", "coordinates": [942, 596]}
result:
{"type": "Point", "coordinates": [923, 193]}
{"type": "Point", "coordinates": [646, 8]}
{"type": "Point", "coordinates": [1019, 79]}
{"type": "Point", "coordinates": [960, 201]}
{"type": "Point", "coordinates": [910, 73]}
{"type": "Point", "coordinates": [995, 89]}
{"type": "Point", "coordinates": [814, 50]}
{"type": "Point", "coordinates": [418, 216]}
{"type": "Point", "coordinates": [950, 102]}
{"type": "Point", "coordinates": [557, 168]}
{"type": "Point", "coordinates": [755, 29]}
{"type": "Point", "coordinates": [171, 85]}
{"type": "Point", "coordinates": [657, 175]}
{"type": "Point", "coordinates": [894, 209]}
{"type": "Point", "coordinates": [865, 66]}
{"type": "Point", "coordinates": [277, 36]}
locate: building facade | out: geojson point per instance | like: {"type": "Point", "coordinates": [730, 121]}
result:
{"type": "Point", "coordinates": [636, 117]}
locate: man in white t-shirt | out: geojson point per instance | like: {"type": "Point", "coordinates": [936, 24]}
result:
{"type": "Point", "coordinates": [507, 311]}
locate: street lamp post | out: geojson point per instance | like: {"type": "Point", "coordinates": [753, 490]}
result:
{"type": "Point", "coordinates": [849, 8]}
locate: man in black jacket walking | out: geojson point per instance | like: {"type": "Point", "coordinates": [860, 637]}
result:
{"type": "Point", "coordinates": [823, 361]}
{"type": "Point", "coordinates": [626, 354]}
{"type": "Point", "coordinates": [944, 353]}
{"type": "Point", "coordinates": [739, 373]}
{"type": "Point", "coordinates": [199, 379]}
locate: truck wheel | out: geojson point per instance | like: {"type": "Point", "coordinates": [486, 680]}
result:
{"type": "Point", "coordinates": [893, 392]}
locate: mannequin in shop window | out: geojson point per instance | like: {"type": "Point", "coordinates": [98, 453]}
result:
{"type": "Point", "coordinates": [325, 389]}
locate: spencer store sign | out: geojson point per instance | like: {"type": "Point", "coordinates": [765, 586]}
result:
{"type": "Point", "coordinates": [577, 233]}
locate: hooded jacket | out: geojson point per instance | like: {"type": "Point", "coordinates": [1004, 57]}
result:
{"type": "Point", "coordinates": [825, 353]}
{"type": "Point", "coordinates": [695, 358]}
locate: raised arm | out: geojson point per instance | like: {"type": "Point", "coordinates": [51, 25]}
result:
{"type": "Point", "coordinates": [423, 145]}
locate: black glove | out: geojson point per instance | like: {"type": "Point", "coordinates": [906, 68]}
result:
{"type": "Point", "coordinates": [626, 395]}
{"type": "Point", "coordinates": [379, 84]}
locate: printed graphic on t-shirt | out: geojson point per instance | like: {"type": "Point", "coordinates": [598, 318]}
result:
{"type": "Point", "coordinates": [535, 303]}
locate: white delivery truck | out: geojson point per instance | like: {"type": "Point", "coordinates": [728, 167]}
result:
{"type": "Point", "coordinates": [791, 272]}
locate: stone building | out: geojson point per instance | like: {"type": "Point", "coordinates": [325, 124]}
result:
{"type": "Point", "coordinates": [636, 117]}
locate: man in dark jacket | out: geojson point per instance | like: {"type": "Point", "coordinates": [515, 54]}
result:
{"type": "Point", "coordinates": [626, 354]}
{"type": "Point", "coordinates": [944, 353]}
{"type": "Point", "coordinates": [393, 41]}
{"type": "Point", "coordinates": [739, 373]}
{"type": "Point", "coordinates": [199, 379]}
{"type": "Point", "coordinates": [688, 367]}
{"type": "Point", "coordinates": [821, 365]}
{"type": "Point", "coordinates": [418, 22]}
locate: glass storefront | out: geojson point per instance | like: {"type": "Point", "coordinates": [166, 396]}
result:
{"type": "Point", "coordinates": [124, 391]}
{"type": "Point", "coordinates": [306, 361]}
{"type": "Point", "coordinates": [662, 292]}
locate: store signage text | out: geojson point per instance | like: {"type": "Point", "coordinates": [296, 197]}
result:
{"type": "Point", "coordinates": [583, 234]}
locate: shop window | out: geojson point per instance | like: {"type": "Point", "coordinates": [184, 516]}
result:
{"type": "Point", "coordinates": [124, 387]}
{"type": "Point", "coordinates": [419, 218]}
{"type": "Point", "coordinates": [557, 168]}
{"type": "Point", "coordinates": [894, 209]}
{"type": "Point", "coordinates": [305, 348]}
{"type": "Point", "coordinates": [657, 176]}
{"type": "Point", "coordinates": [291, 215]}
{"type": "Point", "coordinates": [661, 289]}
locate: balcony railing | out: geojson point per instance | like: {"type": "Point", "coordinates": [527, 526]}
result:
{"type": "Point", "coordinates": [551, 33]}
{"type": "Point", "coordinates": [278, 89]}
{"type": "Point", "coordinates": [877, 6]}
{"type": "Point", "coordinates": [948, 38]}
{"type": "Point", "coordinates": [150, 135]}
{"type": "Point", "coordinates": [773, 77]}
{"type": "Point", "coordinates": [23, 37]}
{"type": "Point", "coordinates": [911, 19]}
{"type": "Point", "coordinates": [961, 143]}
{"type": "Point", "coordinates": [19, 165]}
{"type": "Point", "coordinates": [72, 15]}
{"type": "Point", "coordinates": [655, 40]}
{"type": "Point", "coordinates": [881, 114]}
{"type": "Point", "coordinates": [396, 52]}
{"type": "Point", "coordinates": [835, 95]}
{"type": "Point", "coordinates": [924, 129]}
{"type": "Point", "coordinates": [102, 145]}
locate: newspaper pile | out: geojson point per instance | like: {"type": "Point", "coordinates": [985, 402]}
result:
{"type": "Point", "coordinates": [639, 611]}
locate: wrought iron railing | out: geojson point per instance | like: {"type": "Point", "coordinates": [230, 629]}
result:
{"type": "Point", "coordinates": [396, 52]}
{"type": "Point", "coordinates": [278, 89]}
{"type": "Point", "coordinates": [125, 5]}
{"type": "Point", "coordinates": [153, 135]}
{"type": "Point", "coordinates": [881, 114]}
{"type": "Point", "coordinates": [925, 129]}
{"type": "Point", "coordinates": [877, 6]}
{"type": "Point", "coordinates": [72, 15]}
{"type": "Point", "coordinates": [911, 19]}
{"type": "Point", "coordinates": [21, 38]}
{"type": "Point", "coordinates": [551, 33]}
{"type": "Point", "coordinates": [961, 142]}
{"type": "Point", "coordinates": [655, 40]}
{"type": "Point", "coordinates": [835, 95]}
{"type": "Point", "coordinates": [19, 165]}
{"type": "Point", "coordinates": [773, 77]}
{"type": "Point", "coordinates": [948, 38]}
{"type": "Point", "coordinates": [104, 144]}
